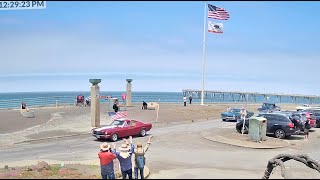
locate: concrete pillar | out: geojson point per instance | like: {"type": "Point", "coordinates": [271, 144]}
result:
{"type": "Point", "coordinates": [95, 102]}
{"type": "Point", "coordinates": [128, 101]}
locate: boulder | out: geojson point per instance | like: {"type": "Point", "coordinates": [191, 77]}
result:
{"type": "Point", "coordinates": [43, 166]}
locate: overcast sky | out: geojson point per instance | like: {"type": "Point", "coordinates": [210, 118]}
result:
{"type": "Point", "coordinates": [265, 47]}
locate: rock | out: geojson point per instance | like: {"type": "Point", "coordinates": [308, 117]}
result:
{"type": "Point", "coordinates": [43, 166]}
{"type": "Point", "coordinates": [28, 168]}
{"type": "Point", "coordinates": [6, 167]}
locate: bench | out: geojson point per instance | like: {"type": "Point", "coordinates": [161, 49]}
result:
{"type": "Point", "coordinates": [152, 105]}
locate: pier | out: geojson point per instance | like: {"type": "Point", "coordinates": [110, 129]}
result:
{"type": "Point", "coordinates": [234, 96]}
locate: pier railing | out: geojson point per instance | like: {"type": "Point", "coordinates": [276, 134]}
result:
{"type": "Point", "coordinates": [70, 100]}
{"type": "Point", "coordinates": [38, 102]}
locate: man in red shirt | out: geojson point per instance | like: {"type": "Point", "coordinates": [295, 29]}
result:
{"type": "Point", "coordinates": [106, 161]}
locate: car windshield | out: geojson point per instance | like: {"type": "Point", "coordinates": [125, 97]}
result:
{"type": "Point", "coordinates": [267, 105]}
{"type": "Point", "coordinates": [234, 110]}
{"type": "Point", "coordinates": [302, 117]}
{"type": "Point", "coordinates": [117, 123]}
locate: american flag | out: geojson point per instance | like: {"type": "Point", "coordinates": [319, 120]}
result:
{"type": "Point", "coordinates": [117, 115]}
{"type": "Point", "coordinates": [217, 13]}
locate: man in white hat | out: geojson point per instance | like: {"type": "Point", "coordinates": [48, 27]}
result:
{"type": "Point", "coordinates": [124, 157]}
{"type": "Point", "coordinates": [106, 161]}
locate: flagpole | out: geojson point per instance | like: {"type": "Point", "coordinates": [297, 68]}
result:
{"type": "Point", "coordinates": [204, 49]}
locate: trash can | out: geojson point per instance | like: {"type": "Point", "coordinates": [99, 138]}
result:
{"type": "Point", "coordinates": [258, 129]}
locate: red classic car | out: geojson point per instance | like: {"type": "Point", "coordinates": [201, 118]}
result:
{"type": "Point", "coordinates": [121, 128]}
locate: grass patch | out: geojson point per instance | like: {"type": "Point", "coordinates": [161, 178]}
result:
{"type": "Point", "coordinates": [55, 169]}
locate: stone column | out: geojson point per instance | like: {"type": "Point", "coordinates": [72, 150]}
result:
{"type": "Point", "coordinates": [128, 100]}
{"type": "Point", "coordinates": [95, 102]}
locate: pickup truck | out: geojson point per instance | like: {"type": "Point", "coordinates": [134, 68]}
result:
{"type": "Point", "coordinates": [269, 107]}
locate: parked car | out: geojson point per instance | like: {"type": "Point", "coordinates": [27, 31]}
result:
{"type": "Point", "coordinates": [301, 118]}
{"type": "Point", "coordinates": [312, 119]}
{"type": "Point", "coordinates": [316, 114]}
{"type": "Point", "coordinates": [121, 128]}
{"type": "Point", "coordinates": [278, 125]}
{"type": "Point", "coordinates": [298, 118]}
{"type": "Point", "coordinates": [269, 107]}
{"type": "Point", "coordinates": [234, 114]}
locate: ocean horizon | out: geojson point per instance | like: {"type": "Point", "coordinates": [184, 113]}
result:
{"type": "Point", "coordinates": [14, 99]}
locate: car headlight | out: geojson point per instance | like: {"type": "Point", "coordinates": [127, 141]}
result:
{"type": "Point", "coordinates": [106, 133]}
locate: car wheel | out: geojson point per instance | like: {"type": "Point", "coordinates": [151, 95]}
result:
{"type": "Point", "coordinates": [239, 130]}
{"type": "Point", "coordinates": [223, 119]}
{"type": "Point", "coordinates": [142, 132]}
{"type": "Point", "coordinates": [279, 133]}
{"type": "Point", "coordinates": [318, 124]}
{"type": "Point", "coordinates": [114, 137]}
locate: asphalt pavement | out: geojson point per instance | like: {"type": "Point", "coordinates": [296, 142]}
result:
{"type": "Point", "coordinates": [177, 151]}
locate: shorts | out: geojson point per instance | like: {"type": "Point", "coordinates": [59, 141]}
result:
{"type": "Point", "coordinates": [306, 131]}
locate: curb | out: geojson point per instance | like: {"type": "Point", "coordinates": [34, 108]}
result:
{"type": "Point", "coordinates": [53, 137]}
{"type": "Point", "coordinates": [147, 170]}
{"type": "Point", "coordinates": [211, 139]}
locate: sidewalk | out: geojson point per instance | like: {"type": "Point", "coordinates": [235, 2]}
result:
{"type": "Point", "coordinates": [231, 137]}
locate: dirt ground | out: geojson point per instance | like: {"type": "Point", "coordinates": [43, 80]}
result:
{"type": "Point", "coordinates": [54, 171]}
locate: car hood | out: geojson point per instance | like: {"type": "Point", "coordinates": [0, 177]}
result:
{"type": "Point", "coordinates": [104, 128]}
{"type": "Point", "coordinates": [227, 114]}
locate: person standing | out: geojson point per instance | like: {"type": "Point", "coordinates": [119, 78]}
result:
{"type": "Point", "coordinates": [124, 157]}
{"type": "Point", "coordinates": [228, 109]}
{"type": "Point", "coordinates": [306, 129]}
{"type": "Point", "coordinates": [116, 106]}
{"type": "Point", "coordinates": [106, 161]}
{"type": "Point", "coordinates": [140, 160]}
{"type": "Point", "coordinates": [144, 105]}
{"type": "Point", "coordinates": [190, 99]}
{"type": "Point", "coordinates": [184, 100]}
{"type": "Point", "coordinates": [24, 107]}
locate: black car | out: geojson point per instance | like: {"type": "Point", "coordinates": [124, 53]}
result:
{"type": "Point", "coordinates": [297, 118]}
{"type": "Point", "coordinates": [278, 125]}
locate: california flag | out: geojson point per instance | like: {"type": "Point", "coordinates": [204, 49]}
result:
{"type": "Point", "coordinates": [215, 27]}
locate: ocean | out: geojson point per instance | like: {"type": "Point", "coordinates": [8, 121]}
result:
{"type": "Point", "coordinates": [13, 100]}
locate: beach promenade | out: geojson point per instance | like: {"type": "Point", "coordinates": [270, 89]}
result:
{"type": "Point", "coordinates": [63, 135]}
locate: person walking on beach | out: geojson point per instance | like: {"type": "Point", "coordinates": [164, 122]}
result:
{"type": "Point", "coordinates": [106, 161]}
{"type": "Point", "coordinates": [190, 99]}
{"type": "Point", "coordinates": [139, 159]}
{"type": "Point", "coordinates": [124, 157]}
{"type": "Point", "coordinates": [184, 100]}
